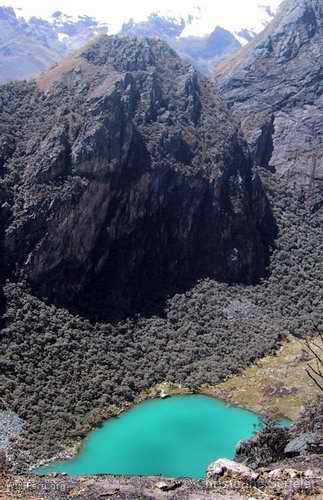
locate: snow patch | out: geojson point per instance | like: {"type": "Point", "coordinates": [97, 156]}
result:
{"type": "Point", "coordinates": [62, 36]}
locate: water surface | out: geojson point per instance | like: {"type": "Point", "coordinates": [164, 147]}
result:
{"type": "Point", "coordinates": [174, 437]}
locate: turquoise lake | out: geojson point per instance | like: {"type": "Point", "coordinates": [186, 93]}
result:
{"type": "Point", "coordinates": [175, 437]}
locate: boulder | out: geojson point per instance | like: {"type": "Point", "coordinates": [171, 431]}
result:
{"type": "Point", "coordinates": [284, 474]}
{"type": "Point", "coordinates": [304, 443]}
{"type": "Point", "coordinates": [168, 485]}
{"type": "Point", "coordinates": [228, 468]}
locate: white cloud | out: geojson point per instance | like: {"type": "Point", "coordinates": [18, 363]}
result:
{"type": "Point", "coordinates": [231, 14]}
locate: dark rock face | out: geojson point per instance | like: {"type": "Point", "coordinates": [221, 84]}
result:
{"type": "Point", "coordinates": [274, 86]}
{"type": "Point", "coordinates": [130, 180]}
{"type": "Point", "coordinates": [305, 443]}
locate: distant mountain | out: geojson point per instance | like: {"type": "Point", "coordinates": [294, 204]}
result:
{"type": "Point", "coordinates": [25, 48]}
{"type": "Point", "coordinates": [29, 47]}
{"type": "Point", "coordinates": [201, 51]}
{"type": "Point", "coordinates": [156, 26]}
{"type": "Point", "coordinates": [73, 33]}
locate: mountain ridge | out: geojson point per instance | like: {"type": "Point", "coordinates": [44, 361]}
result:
{"type": "Point", "coordinates": [281, 110]}
{"type": "Point", "coordinates": [125, 184]}
{"type": "Point", "coordinates": [34, 44]}
{"type": "Point", "coordinates": [120, 133]}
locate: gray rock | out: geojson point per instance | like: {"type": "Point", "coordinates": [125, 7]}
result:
{"type": "Point", "coordinates": [303, 443]}
{"type": "Point", "coordinates": [274, 87]}
{"type": "Point", "coordinates": [10, 425]}
{"type": "Point", "coordinates": [232, 469]}
{"type": "Point", "coordinates": [168, 485]}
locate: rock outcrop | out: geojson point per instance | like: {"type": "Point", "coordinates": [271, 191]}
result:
{"type": "Point", "coordinates": [230, 469]}
{"type": "Point", "coordinates": [126, 178]}
{"type": "Point", "coordinates": [274, 86]}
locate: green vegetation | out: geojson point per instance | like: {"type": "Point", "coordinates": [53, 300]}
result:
{"type": "Point", "coordinates": [63, 374]}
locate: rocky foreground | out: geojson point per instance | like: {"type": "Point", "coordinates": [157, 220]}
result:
{"type": "Point", "coordinates": [297, 478]}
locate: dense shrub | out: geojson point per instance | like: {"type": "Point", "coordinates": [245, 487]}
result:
{"type": "Point", "coordinates": [266, 447]}
{"type": "Point", "coordinates": [62, 374]}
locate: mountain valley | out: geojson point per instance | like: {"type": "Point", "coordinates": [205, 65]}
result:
{"type": "Point", "coordinates": [158, 226]}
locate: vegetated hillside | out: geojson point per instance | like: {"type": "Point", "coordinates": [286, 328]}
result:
{"type": "Point", "coordinates": [274, 87]}
{"type": "Point", "coordinates": [68, 170]}
{"type": "Point", "coordinates": [2, 270]}
{"type": "Point", "coordinates": [29, 47]}
{"type": "Point", "coordinates": [126, 180]}
{"type": "Point", "coordinates": [61, 373]}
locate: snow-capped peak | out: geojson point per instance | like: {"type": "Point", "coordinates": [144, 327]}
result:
{"type": "Point", "coordinates": [248, 16]}
{"type": "Point", "coordinates": [200, 16]}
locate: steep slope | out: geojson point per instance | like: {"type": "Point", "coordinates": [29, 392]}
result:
{"type": "Point", "coordinates": [274, 86]}
{"type": "Point", "coordinates": [126, 179]}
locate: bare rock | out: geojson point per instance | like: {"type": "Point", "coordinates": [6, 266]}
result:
{"type": "Point", "coordinates": [304, 443]}
{"type": "Point", "coordinates": [289, 473]}
{"type": "Point", "coordinates": [168, 485]}
{"type": "Point", "coordinates": [274, 87]}
{"type": "Point", "coordinates": [228, 468]}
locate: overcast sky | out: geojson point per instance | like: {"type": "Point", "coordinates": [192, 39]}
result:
{"type": "Point", "coordinates": [231, 14]}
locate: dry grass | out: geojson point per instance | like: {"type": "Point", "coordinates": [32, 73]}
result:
{"type": "Point", "coordinates": [276, 385]}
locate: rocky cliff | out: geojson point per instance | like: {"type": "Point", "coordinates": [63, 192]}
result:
{"type": "Point", "coordinates": [126, 178]}
{"type": "Point", "coordinates": [274, 86]}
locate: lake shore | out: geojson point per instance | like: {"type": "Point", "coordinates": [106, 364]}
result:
{"type": "Point", "coordinates": [258, 388]}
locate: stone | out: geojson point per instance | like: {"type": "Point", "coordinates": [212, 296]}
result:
{"type": "Point", "coordinates": [276, 474]}
{"type": "Point", "coordinates": [312, 474]}
{"type": "Point", "coordinates": [163, 394]}
{"type": "Point", "coordinates": [231, 469]}
{"type": "Point", "coordinates": [301, 444]}
{"type": "Point", "coordinates": [284, 474]}
{"type": "Point", "coordinates": [168, 486]}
